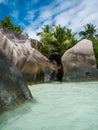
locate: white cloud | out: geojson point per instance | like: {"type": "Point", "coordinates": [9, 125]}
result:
{"type": "Point", "coordinates": [47, 22]}
{"type": "Point", "coordinates": [71, 13]}
{"type": "Point", "coordinates": [62, 19]}
{"type": "Point", "coordinates": [30, 15]}
{"type": "Point", "coordinates": [46, 14]}
{"type": "Point", "coordinates": [3, 1]}
{"type": "Point", "coordinates": [80, 15]}
{"type": "Point", "coordinates": [32, 33]}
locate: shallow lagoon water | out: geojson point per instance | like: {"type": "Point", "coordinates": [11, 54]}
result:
{"type": "Point", "coordinates": [56, 106]}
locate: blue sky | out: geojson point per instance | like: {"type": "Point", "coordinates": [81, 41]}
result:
{"type": "Point", "coordinates": [33, 14]}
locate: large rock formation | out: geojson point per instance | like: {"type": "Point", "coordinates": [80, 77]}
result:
{"type": "Point", "coordinates": [13, 88]}
{"type": "Point", "coordinates": [79, 62]}
{"type": "Point", "coordinates": [33, 65]}
{"type": "Point", "coordinates": [35, 43]}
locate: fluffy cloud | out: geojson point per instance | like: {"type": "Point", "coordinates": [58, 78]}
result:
{"type": "Point", "coordinates": [32, 33]}
{"type": "Point", "coordinates": [77, 16]}
{"type": "Point", "coordinates": [73, 14]}
{"type": "Point", "coordinates": [34, 14]}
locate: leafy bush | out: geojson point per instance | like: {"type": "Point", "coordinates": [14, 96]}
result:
{"type": "Point", "coordinates": [8, 23]}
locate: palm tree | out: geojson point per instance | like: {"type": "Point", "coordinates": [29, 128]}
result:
{"type": "Point", "coordinates": [64, 38]}
{"type": "Point", "coordinates": [90, 32]}
{"type": "Point", "coordinates": [56, 39]}
{"type": "Point", "coordinates": [46, 38]}
{"type": "Point", "coordinates": [46, 29]}
{"type": "Point", "coordinates": [8, 23]}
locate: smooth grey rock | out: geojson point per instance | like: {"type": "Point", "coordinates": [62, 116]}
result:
{"type": "Point", "coordinates": [13, 88]}
{"type": "Point", "coordinates": [79, 62]}
{"type": "Point", "coordinates": [31, 63]}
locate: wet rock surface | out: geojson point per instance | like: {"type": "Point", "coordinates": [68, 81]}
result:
{"type": "Point", "coordinates": [13, 88]}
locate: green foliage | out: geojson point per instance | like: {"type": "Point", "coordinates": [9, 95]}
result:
{"type": "Point", "coordinates": [95, 46]}
{"type": "Point", "coordinates": [56, 40]}
{"type": "Point", "coordinates": [8, 23]}
{"type": "Point", "coordinates": [90, 32]}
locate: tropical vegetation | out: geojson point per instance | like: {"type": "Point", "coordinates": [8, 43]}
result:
{"type": "Point", "coordinates": [91, 32]}
{"type": "Point", "coordinates": [55, 40]}
{"type": "Point", "coordinates": [8, 23]}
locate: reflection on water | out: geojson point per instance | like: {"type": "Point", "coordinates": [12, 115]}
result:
{"type": "Point", "coordinates": [58, 106]}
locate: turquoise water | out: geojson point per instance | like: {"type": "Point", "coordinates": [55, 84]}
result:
{"type": "Point", "coordinates": [56, 106]}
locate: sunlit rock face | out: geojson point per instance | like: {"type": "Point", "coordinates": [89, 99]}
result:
{"type": "Point", "coordinates": [33, 65]}
{"type": "Point", "coordinates": [35, 43]}
{"type": "Point", "coordinates": [13, 88]}
{"type": "Point", "coordinates": [79, 62]}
